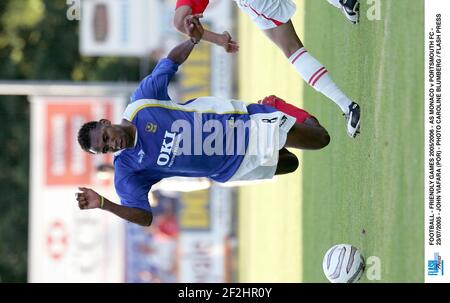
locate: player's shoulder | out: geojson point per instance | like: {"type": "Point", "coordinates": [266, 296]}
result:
{"type": "Point", "coordinates": [124, 171]}
{"type": "Point", "coordinates": [124, 162]}
{"type": "Point", "coordinates": [135, 108]}
{"type": "Point", "coordinates": [145, 108]}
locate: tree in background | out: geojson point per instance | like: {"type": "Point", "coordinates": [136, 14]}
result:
{"type": "Point", "coordinates": [37, 42]}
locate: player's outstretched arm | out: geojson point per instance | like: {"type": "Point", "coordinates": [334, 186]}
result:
{"type": "Point", "coordinates": [89, 199]}
{"type": "Point", "coordinates": [195, 31]}
{"type": "Point", "coordinates": [225, 40]}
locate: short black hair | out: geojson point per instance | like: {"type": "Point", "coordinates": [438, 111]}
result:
{"type": "Point", "coordinates": [84, 138]}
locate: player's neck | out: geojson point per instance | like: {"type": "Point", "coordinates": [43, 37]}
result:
{"type": "Point", "coordinates": [130, 129]}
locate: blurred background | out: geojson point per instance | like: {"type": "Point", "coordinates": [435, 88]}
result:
{"type": "Point", "coordinates": [63, 63]}
{"type": "Point", "coordinates": [69, 62]}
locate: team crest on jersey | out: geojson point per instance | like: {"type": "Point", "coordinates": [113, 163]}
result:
{"type": "Point", "coordinates": [151, 127]}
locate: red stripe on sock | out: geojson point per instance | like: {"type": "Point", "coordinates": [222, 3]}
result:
{"type": "Point", "coordinates": [315, 74]}
{"type": "Point", "coordinates": [318, 77]}
{"type": "Point", "coordinates": [298, 56]}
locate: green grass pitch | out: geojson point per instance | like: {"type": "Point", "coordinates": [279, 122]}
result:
{"type": "Point", "coordinates": [368, 191]}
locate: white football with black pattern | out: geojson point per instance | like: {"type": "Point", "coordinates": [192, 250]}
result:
{"type": "Point", "coordinates": [343, 263]}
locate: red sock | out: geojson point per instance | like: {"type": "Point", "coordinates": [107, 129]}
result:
{"type": "Point", "coordinates": [298, 113]}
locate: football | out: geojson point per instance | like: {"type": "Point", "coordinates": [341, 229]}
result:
{"type": "Point", "coordinates": [343, 263]}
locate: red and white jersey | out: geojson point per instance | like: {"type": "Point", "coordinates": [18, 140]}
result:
{"type": "Point", "coordinates": [265, 13]}
{"type": "Point", "coordinates": [268, 14]}
{"type": "Point", "coordinates": [197, 6]}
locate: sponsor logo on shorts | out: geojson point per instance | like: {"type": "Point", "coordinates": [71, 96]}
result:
{"type": "Point", "coordinates": [273, 120]}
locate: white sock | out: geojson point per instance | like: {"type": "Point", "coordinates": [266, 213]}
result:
{"type": "Point", "coordinates": [317, 76]}
{"type": "Point", "coordinates": [335, 3]}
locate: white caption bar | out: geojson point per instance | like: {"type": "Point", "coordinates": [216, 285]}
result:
{"type": "Point", "coordinates": [437, 149]}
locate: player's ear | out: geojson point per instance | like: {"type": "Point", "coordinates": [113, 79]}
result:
{"type": "Point", "coordinates": [105, 122]}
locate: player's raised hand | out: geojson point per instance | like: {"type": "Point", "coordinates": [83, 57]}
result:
{"type": "Point", "coordinates": [193, 26]}
{"type": "Point", "coordinates": [229, 44]}
{"type": "Point", "coordinates": [87, 198]}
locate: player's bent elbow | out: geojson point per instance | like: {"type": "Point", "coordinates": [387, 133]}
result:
{"type": "Point", "coordinates": [322, 139]}
{"type": "Point", "coordinates": [293, 164]}
{"type": "Point", "coordinates": [148, 220]}
{"type": "Point", "coordinates": [145, 219]}
{"type": "Point", "coordinates": [180, 14]}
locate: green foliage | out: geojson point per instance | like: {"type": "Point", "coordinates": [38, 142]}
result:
{"type": "Point", "coordinates": [14, 188]}
{"type": "Point", "coordinates": [37, 42]}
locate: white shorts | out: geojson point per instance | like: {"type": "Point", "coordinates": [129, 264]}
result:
{"type": "Point", "coordinates": [268, 14]}
{"type": "Point", "coordinates": [268, 134]}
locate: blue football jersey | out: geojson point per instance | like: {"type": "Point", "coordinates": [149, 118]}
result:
{"type": "Point", "coordinates": [199, 138]}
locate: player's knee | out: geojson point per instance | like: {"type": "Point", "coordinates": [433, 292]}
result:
{"type": "Point", "coordinates": [291, 163]}
{"type": "Point", "coordinates": [294, 163]}
{"type": "Point", "coordinates": [324, 139]}
{"type": "Point", "coordinates": [287, 163]}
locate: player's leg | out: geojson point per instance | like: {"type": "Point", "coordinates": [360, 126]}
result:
{"type": "Point", "coordinates": [287, 162]}
{"type": "Point", "coordinates": [274, 19]}
{"type": "Point", "coordinates": [350, 9]}
{"type": "Point", "coordinates": [313, 72]}
{"type": "Point", "coordinates": [308, 135]}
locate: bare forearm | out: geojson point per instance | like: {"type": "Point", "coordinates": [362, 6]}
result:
{"type": "Point", "coordinates": [181, 52]}
{"type": "Point", "coordinates": [128, 213]}
{"type": "Point", "coordinates": [208, 36]}
{"type": "Point", "coordinates": [213, 37]}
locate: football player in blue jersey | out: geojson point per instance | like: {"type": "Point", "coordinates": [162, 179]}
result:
{"type": "Point", "coordinates": [222, 139]}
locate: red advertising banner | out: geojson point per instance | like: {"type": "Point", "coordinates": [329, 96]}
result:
{"type": "Point", "coordinates": [66, 163]}
{"type": "Point", "coordinates": [67, 244]}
